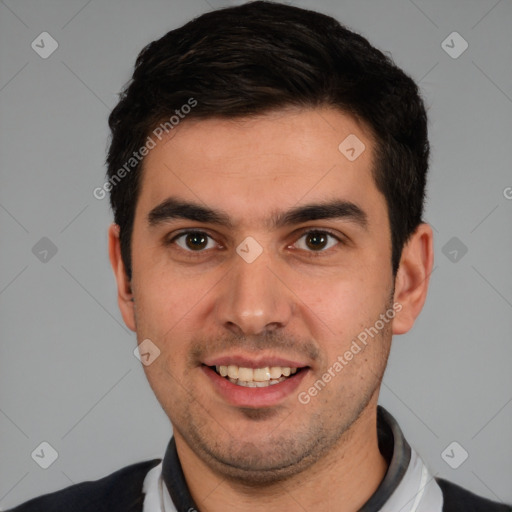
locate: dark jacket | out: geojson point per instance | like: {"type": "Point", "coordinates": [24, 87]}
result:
{"type": "Point", "coordinates": [122, 491]}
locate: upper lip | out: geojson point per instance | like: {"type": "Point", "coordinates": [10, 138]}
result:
{"type": "Point", "coordinates": [253, 362]}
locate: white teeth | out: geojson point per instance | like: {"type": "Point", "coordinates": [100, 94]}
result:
{"type": "Point", "coordinates": [254, 384]}
{"type": "Point", "coordinates": [260, 374]}
{"type": "Point", "coordinates": [245, 374]}
{"type": "Point", "coordinates": [275, 372]}
{"type": "Point", "coordinates": [233, 371]}
{"type": "Point", "coordinates": [255, 377]}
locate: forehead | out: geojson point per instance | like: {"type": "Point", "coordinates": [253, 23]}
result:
{"type": "Point", "coordinates": [250, 165]}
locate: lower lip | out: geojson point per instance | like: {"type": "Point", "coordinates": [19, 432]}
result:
{"type": "Point", "coordinates": [254, 398]}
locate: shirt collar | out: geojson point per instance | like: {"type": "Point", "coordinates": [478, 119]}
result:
{"type": "Point", "coordinates": [174, 479]}
{"type": "Point", "coordinates": [397, 452]}
{"type": "Point", "coordinates": [407, 481]}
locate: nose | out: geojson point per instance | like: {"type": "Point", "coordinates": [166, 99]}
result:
{"type": "Point", "coordinates": [253, 299]}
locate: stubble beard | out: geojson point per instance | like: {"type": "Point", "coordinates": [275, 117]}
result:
{"type": "Point", "coordinates": [286, 452]}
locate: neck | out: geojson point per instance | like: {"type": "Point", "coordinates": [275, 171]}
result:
{"type": "Point", "coordinates": [343, 480]}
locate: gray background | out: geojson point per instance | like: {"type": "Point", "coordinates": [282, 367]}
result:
{"type": "Point", "coordinates": [68, 374]}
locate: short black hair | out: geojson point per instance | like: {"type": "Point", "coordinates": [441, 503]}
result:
{"type": "Point", "coordinates": [260, 57]}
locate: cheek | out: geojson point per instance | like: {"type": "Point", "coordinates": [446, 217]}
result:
{"type": "Point", "coordinates": [166, 300]}
{"type": "Point", "coordinates": [171, 310]}
{"type": "Point", "coordinates": [167, 385]}
{"type": "Point", "coordinates": [348, 315]}
{"type": "Point", "coordinates": [343, 304]}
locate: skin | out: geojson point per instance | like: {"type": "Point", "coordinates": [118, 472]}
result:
{"type": "Point", "coordinates": [297, 300]}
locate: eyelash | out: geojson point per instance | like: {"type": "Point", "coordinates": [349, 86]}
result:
{"type": "Point", "coordinates": [200, 253]}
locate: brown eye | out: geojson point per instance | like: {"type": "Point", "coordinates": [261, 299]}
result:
{"type": "Point", "coordinates": [193, 241]}
{"type": "Point", "coordinates": [316, 241]}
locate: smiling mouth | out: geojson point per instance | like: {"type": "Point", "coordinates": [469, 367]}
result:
{"type": "Point", "coordinates": [255, 377]}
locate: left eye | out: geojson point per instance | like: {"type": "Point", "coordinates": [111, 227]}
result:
{"type": "Point", "coordinates": [194, 241]}
{"type": "Point", "coordinates": [316, 241]}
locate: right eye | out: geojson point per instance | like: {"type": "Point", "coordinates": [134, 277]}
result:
{"type": "Point", "coordinates": [193, 241]}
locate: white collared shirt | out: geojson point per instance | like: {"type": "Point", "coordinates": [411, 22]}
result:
{"type": "Point", "coordinates": [417, 491]}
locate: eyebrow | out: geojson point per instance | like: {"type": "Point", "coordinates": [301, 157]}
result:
{"type": "Point", "coordinates": [173, 208]}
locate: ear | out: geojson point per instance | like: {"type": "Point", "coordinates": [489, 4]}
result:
{"type": "Point", "coordinates": [124, 290]}
{"type": "Point", "coordinates": [413, 275]}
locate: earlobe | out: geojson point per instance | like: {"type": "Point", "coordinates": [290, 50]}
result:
{"type": "Point", "coordinates": [411, 282]}
{"type": "Point", "coordinates": [124, 290]}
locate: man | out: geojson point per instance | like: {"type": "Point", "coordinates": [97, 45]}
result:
{"type": "Point", "coordinates": [267, 174]}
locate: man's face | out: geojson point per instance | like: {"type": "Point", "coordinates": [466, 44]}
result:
{"type": "Point", "coordinates": [251, 288]}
